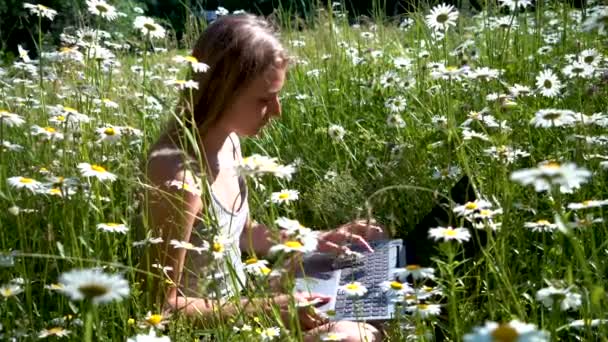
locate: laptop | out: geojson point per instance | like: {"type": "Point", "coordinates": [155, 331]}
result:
{"type": "Point", "coordinates": [324, 274]}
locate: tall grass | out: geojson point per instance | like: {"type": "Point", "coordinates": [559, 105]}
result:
{"type": "Point", "coordinates": [392, 171]}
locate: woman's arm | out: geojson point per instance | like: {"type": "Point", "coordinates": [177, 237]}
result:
{"type": "Point", "coordinates": [257, 239]}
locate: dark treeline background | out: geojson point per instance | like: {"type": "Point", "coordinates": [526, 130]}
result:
{"type": "Point", "coordinates": [17, 27]}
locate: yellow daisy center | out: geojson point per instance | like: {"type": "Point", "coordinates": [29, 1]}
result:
{"type": "Point", "coordinates": [50, 129]}
{"type": "Point", "coordinates": [154, 319]}
{"type": "Point", "coordinates": [294, 244]}
{"type": "Point", "coordinates": [423, 306]}
{"type": "Point", "coordinates": [150, 27]}
{"type": "Point", "coordinates": [450, 232]}
{"type": "Point", "coordinates": [69, 109]}
{"type": "Point", "coordinates": [55, 191]}
{"type": "Point", "coordinates": [284, 195]}
{"type": "Point", "coordinates": [265, 270]}
{"type": "Point", "coordinates": [218, 247]}
{"type": "Point", "coordinates": [7, 292]}
{"type": "Point", "coordinates": [485, 212]}
{"type": "Point", "coordinates": [505, 333]}
{"type": "Point", "coordinates": [98, 168]}
{"type": "Point", "coordinates": [65, 49]}
{"type": "Point", "coordinates": [352, 286]}
{"type": "Point", "coordinates": [586, 203]}
{"type": "Point", "coordinates": [395, 285]}
{"type": "Point", "coordinates": [543, 222]}
{"type": "Point", "coordinates": [412, 267]}
{"type": "Point", "coordinates": [101, 8]}
{"type": "Point", "coordinates": [109, 131]}
{"type": "Point", "coordinates": [251, 261]}
{"type": "Point", "coordinates": [471, 206]}
{"type": "Point", "coordinates": [25, 180]}
{"type": "Point", "coordinates": [551, 165]}
{"type": "Point", "coordinates": [55, 331]}
{"type": "Point", "coordinates": [191, 59]}
{"type": "Point", "coordinates": [93, 290]}
{"type": "Point", "coordinates": [60, 118]}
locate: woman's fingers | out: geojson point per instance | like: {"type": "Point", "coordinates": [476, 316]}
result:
{"type": "Point", "coordinates": [327, 246]}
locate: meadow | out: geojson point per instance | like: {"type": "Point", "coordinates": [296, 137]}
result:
{"type": "Point", "coordinates": [379, 118]}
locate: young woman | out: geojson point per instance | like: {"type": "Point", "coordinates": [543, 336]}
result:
{"type": "Point", "coordinates": [237, 96]}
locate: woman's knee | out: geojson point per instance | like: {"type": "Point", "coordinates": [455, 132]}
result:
{"type": "Point", "coordinates": [348, 331]}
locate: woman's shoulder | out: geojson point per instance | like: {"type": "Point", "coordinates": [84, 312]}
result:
{"type": "Point", "coordinates": [166, 162]}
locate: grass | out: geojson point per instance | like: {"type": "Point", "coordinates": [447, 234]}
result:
{"type": "Point", "coordinates": [392, 171]}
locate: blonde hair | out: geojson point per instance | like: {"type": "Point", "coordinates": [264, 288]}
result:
{"type": "Point", "coordinates": [237, 49]}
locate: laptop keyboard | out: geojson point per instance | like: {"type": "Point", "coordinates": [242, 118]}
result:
{"type": "Point", "coordinates": [370, 271]}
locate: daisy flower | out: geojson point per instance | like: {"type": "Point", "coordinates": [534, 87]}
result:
{"type": "Point", "coordinates": [40, 10]}
{"type": "Point", "coordinates": [10, 290]}
{"type": "Point", "coordinates": [257, 267]}
{"type": "Point", "coordinates": [541, 226]}
{"type": "Point", "coordinates": [354, 289]}
{"type": "Point", "coordinates": [186, 186]}
{"type": "Point", "coordinates": [109, 134]}
{"type": "Point", "coordinates": [449, 234]}
{"type": "Point", "coordinates": [565, 297]}
{"type": "Point", "coordinates": [94, 284]}
{"type": "Point", "coordinates": [336, 132]}
{"type": "Point", "coordinates": [424, 310]}
{"type": "Point", "coordinates": [194, 63]}
{"type": "Point", "coordinates": [553, 118]}
{"type": "Point", "coordinates": [19, 182]}
{"type": "Point", "coordinates": [102, 9]}
{"type": "Point", "coordinates": [269, 334]}
{"type": "Point", "coordinates": [396, 104]}
{"type": "Point", "coordinates": [149, 27]}
{"type": "Point", "coordinates": [150, 337]}
{"type": "Point", "coordinates": [581, 323]}
{"type": "Point", "coordinates": [284, 196]}
{"type": "Point", "coordinates": [333, 336]}
{"type": "Point", "coordinates": [426, 292]}
{"type": "Point", "coordinates": [395, 288]}
{"type": "Point", "coordinates": [56, 331]}
{"type": "Point", "coordinates": [568, 176]}
{"type": "Point", "coordinates": [513, 5]}
{"type": "Point", "coordinates": [218, 247]}
{"type": "Point", "coordinates": [113, 227]}
{"type": "Point", "coordinates": [155, 321]}
{"type": "Point", "coordinates": [519, 90]}
{"type": "Point", "coordinates": [395, 121]}
{"type": "Point", "coordinates": [578, 69]}
{"type": "Point", "coordinates": [470, 208]}
{"type": "Point", "coordinates": [301, 245]}
{"type": "Point", "coordinates": [512, 331]}
{"type": "Point", "coordinates": [96, 171]}
{"type": "Point", "coordinates": [442, 17]}
{"type": "Point", "coordinates": [10, 119]}
{"type": "Point", "coordinates": [188, 246]}
{"type": "Point", "coordinates": [587, 204]}
{"type": "Point", "coordinates": [47, 133]}
{"type": "Point", "coordinates": [416, 271]}
{"type": "Point", "coordinates": [548, 83]}
{"type": "Point", "coordinates": [292, 227]}
{"type": "Point", "coordinates": [182, 84]}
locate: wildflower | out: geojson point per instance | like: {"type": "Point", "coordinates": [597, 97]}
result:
{"type": "Point", "coordinates": [514, 4]}
{"type": "Point", "coordinates": [442, 17]}
{"type": "Point", "coordinates": [583, 323]}
{"type": "Point", "coordinates": [96, 171]}
{"type": "Point", "coordinates": [113, 227]}
{"type": "Point", "coordinates": [484, 74]}
{"type": "Point", "coordinates": [548, 83]}
{"type": "Point", "coordinates": [512, 331]}
{"type": "Point", "coordinates": [109, 134]}
{"type": "Point", "coordinates": [303, 244]}
{"type": "Point", "coordinates": [424, 310]}
{"type": "Point", "coordinates": [395, 121]}
{"type": "Point", "coordinates": [578, 69]}
{"type": "Point", "coordinates": [416, 271]}
{"type": "Point", "coordinates": [194, 63]}
{"type": "Point", "coordinates": [449, 233]}
{"type": "Point", "coordinates": [292, 227]}
{"type": "Point", "coordinates": [354, 289]}
{"type": "Point", "coordinates": [548, 174]}
{"type": "Point", "coordinates": [424, 292]}
{"type": "Point", "coordinates": [95, 285]}
{"type": "Point", "coordinates": [506, 154]}
{"type": "Point", "coordinates": [553, 118]}
{"type": "Point", "coordinates": [188, 246]}
{"type": "Point", "coordinates": [156, 321]}
{"type": "Point", "coordinates": [56, 331]}
{"type": "Point", "coordinates": [10, 290]}
{"type": "Point", "coordinates": [471, 208]}
{"type": "Point", "coordinates": [469, 134]}
{"type": "Point", "coordinates": [40, 10]}
{"type": "Point", "coordinates": [587, 204]}
{"type": "Point", "coordinates": [151, 337]}
{"type": "Point", "coordinates": [336, 132]}
{"type": "Point", "coordinates": [395, 288]}
{"type": "Point", "coordinates": [586, 222]}
{"type": "Point", "coordinates": [333, 337]}
{"type": "Point", "coordinates": [589, 56]}
{"type": "Point", "coordinates": [565, 297]}
{"type": "Point", "coordinates": [149, 27]}
{"type": "Point", "coordinates": [284, 196]}
{"type": "Point", "coordinates": [519, 90]}
{"type": "Point", "coordinates": [218, 247]}
{"type": "Point", "coordinates": [102, 9]}
{"type": "Point", "coordinates": [183, 84]}
{"type": "Point", "coordinates": [47, 133]}
{"type": "Point", "coordinates": [257, 267]}
{"type": "Point", "coordinates": [19, 182]}
{"type": "Point", "coordinates": [541, 226]}
{"type": "Point", "coordinates": [395, 104]}
{"type": "Point", "coordinates": [186, 186]}
{"type": "Point", "coordinates": [270, 334]}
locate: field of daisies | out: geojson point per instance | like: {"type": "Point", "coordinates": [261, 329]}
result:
{"type": "Point", "coordinates": [379, 118]}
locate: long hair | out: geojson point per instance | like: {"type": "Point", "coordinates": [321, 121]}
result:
{"type": "Point", "coordinates": [237, 49]}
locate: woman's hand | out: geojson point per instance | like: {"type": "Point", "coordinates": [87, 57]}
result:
{"type": "Point", "coordinates": [358, 232]}
{"type": "Point", "coordinates": [308, 316]}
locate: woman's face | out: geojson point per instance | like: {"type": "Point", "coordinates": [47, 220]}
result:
{"type": "Point", "coordinates": [256, 105]}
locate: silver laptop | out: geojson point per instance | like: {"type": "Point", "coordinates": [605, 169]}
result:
{"type": "Point", "coordinates": [323, 274]}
